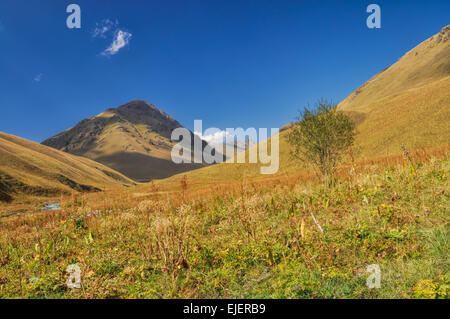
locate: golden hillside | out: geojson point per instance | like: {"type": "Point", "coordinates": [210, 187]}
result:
{"type": "Point", "coordinates": [30, 168]}
{"type": "Point", "coordinates": [406, 104]}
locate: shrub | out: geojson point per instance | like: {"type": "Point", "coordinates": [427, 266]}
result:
{"type": "Point", "coordinates": [321, 136]}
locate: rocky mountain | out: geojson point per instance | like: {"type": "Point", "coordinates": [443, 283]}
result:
{"type": "Point", "coordinates": [133, 139]}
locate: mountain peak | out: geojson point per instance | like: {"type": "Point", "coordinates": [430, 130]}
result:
{"type": "Point", "coordinates": [138, 105]}
{"type": "Point", "coordinates": [138, 111]}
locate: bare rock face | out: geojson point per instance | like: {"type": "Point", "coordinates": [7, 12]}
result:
{"type": "Point", "coordinates": [442, 36]}
{"type": "Point", "coordinates": [134, 139]}
{"type": "Point", "coordinates": [445, 33]}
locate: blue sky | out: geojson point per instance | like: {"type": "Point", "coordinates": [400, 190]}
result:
{"type": "Point", "coordinates": [230, 63]}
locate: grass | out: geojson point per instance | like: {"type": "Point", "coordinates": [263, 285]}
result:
{"type": "Point", "coordinates": [424, 109]}
{"type": "Point", "coordinates": [251, 240]}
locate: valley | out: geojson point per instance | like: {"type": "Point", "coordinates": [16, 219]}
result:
{"type": "Point", "coordinates": [105, 195]}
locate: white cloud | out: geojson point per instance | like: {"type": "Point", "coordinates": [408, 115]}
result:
{"type": "Point", "coordinates": [102, 28]}
{"type": "Point", "coordinates": [121, 39]}
{"type": "Point", "coordinates": [215, 138]}
{"type": "Point", "coordinates": [38, 78]}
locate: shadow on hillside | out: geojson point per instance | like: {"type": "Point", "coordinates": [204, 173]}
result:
{"type": "Point", "coordinates": [143, 168]}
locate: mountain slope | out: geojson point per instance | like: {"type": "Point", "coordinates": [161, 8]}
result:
{"type": "Point", "coordinates": [407, 104]}
{"type": "Point", "coordinates": [30, 168]}
{"type": "Point", "coordinates": [133, 139]}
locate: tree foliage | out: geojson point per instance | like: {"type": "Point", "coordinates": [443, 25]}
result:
{"type": "Point", "coordinates": [321, 136]}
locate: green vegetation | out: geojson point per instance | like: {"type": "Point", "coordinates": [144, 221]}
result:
{"type": "Point", "coordinates": [321, 136]}
{"type": "Point", "coordinates": [252, 243]}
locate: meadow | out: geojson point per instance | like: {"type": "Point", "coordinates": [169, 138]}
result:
{"type": "Point", "coordinates": [283, 237]}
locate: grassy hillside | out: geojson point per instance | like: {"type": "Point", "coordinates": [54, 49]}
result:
{"type": "Point", "coordinates": [424, 64]}
{"type": "Point", "coordinates": [252, 243]}
{"type": "Point", "coordinates": [406, 104]}
{"type": "Point", "coordinates": [30, 168]}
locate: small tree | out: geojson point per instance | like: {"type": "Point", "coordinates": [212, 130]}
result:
{"type": "Point", "coordinates": [321, 136]}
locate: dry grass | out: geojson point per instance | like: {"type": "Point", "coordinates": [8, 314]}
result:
{"type": "Point", "coordinates": [251, 239]}
{"type": "Point", "coordinates": [408, 103]}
